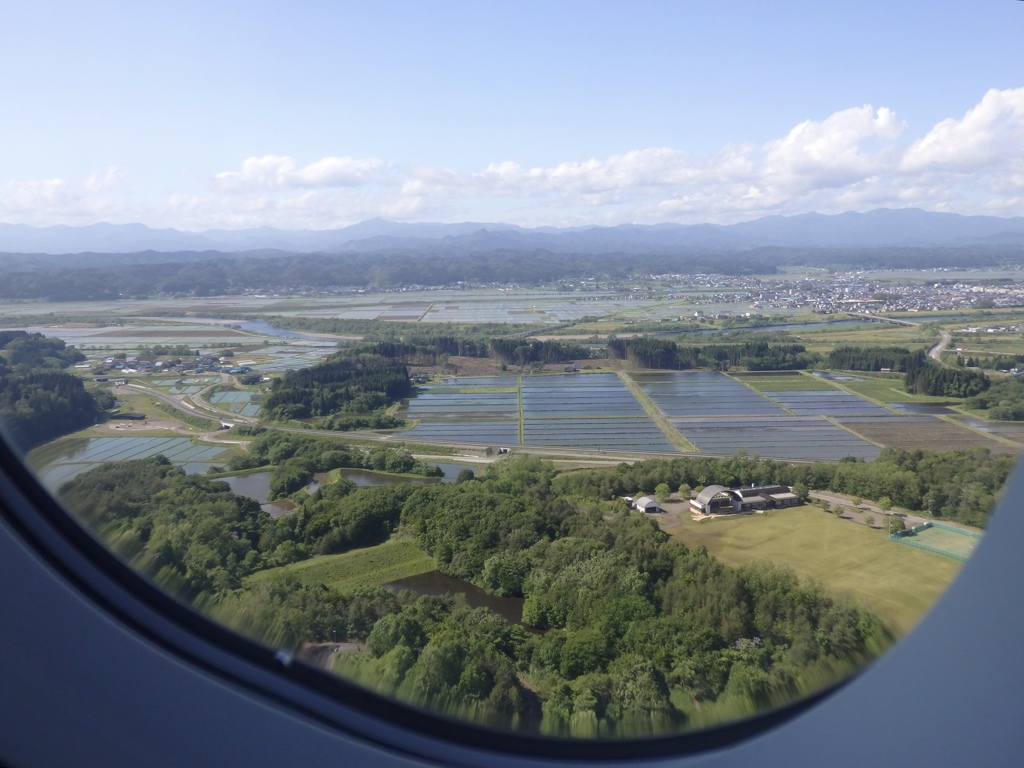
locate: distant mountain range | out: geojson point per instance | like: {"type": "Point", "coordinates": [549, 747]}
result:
{"type": "Point", "coordinates": [875, 229]}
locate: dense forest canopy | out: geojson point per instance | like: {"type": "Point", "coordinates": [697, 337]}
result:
{"type": "Point", "coordinates": [630, 618]}
{"type": "Point", "coordinates": [39, 400]}
{"type": "Point", "coordinates": [352, 381]}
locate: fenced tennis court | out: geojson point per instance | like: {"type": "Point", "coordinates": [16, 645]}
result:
{"type": "Point", "coordinates": [943, 539]}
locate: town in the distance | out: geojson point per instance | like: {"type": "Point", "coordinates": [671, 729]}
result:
{"type": "Point", "coordinates": [543, 487]}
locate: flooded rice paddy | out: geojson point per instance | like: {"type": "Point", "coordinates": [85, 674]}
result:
{"type": "Point", "coordinates": [237, 402]}
{"type": "Point", "coordinates": [820, 403]}
{"type": "Point", "coordinates": [57, 463]}
{"type": "Point", "coordinates": [789, 437]}
{"type": "Point", "coordinates": [704, 393]}
{"type": "Point", "coordinates": [791, 417]}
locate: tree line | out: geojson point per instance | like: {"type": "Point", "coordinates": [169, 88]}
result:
{"type": "Point", "coordinates": [923, 375]}
{"type": "Point", "coordinates": [647, 352]}
{"type": "Point", "coordinates": [962, 485]}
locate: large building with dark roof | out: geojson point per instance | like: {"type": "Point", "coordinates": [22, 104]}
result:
{"type": "Point", "coordinates": [719, 500]}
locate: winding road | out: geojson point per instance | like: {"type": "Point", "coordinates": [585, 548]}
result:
{"type": "Point", "coordinates": [935, 353]}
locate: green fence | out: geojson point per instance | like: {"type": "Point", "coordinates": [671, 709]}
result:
{"type": "Point", "coordinates": [910, 538]}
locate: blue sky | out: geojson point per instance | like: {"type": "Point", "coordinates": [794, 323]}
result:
{"type": "Point", "coordinates": [321, 114]}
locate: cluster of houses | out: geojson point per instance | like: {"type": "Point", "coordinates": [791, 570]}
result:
{"type": "Point", "coordinates": [201, 364]}
{"type": "Point", "coordinates": [719, 500]}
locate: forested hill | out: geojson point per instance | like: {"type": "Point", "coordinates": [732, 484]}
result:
{"type": "Point", "coordinates": [350, 382]}
{"type": "Point", "coordinates": [38, 399]}
{"type": "Point", "coordinates": [219, 273]}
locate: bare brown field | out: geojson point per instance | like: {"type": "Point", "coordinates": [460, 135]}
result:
{"type": "Point", "coordinates": [932, 434]}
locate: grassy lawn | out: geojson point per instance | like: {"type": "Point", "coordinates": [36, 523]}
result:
{"type": "Point", "coordinates": [373, 566]}
{"type": "Point", "coordinates": [896, 582]}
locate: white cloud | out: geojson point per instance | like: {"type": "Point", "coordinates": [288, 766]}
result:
{"type": "Point", "coordinates": [43, 202]}
{"type": "Point", "coordinates": [831, 153]}
{"type": "Point", "coordinates": [855, 159]}
{"type": "Point", "coordinates": [281, 172]}
{"type": "Point", "coordinates": [989, 134]}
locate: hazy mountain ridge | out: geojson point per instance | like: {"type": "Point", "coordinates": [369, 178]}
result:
{"type": "Point", "coordinates": [874, 229]}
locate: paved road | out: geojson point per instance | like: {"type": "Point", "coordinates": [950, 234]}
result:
{"type": "Point", "coordinates": [857, 514]}
{"type": "Point", "coordinates": [935, 353]}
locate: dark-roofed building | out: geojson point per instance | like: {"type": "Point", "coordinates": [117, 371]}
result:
{"type": "Point", "coordinates": [718, 500]}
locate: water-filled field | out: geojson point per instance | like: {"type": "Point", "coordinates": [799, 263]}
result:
{"type": "Point", "coordinates": [578, 396]}
{"type": "Point", "coordinates": [624, 434]}
{"type": "Point", "coordinates": [785, 437]}
{"type": "Point", "coordinates": [820, 403]}
{"type": "Point", "coordinates": [703, 393]}
{"type": "Point", "coordinates": [593, 411]}
{"type": "Point", "coordinates": [302, 355]}
{"type": "Point", "coordinates": [717, 413]}
{"type": "Point", "coordinates": [56, 464]}
{"type": "Point", "coordinates": [454, 405]}
{"type": "Point", "coordinates": [236, 402]}
{"type": "Point", "coordinates": [494, 432]}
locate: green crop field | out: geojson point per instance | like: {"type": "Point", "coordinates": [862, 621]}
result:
{"type": "Point", "coordinates": [797, 383]}
{"type": "Point", "coordinates": [886, 390]}
{"type": "Point", "coordinates": [897, 583]}
{"type": "Point", "coordinates": [372, 566]}
{"type": "Point", "coordinates": [871, 335]}
{"type": "Point", "coordinates": [989, 343]}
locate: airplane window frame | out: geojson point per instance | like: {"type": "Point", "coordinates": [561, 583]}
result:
{"type": "Point", "coordinates": [282, 680]}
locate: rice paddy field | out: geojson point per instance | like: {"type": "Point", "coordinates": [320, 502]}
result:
{"type": "Point", "coordinates": [61, 461]}
{"type": "Point", "coordinates": [821, 403]}
{"type": "Point", "coordinates": [237, 402]}
{"type": "Point", "coordinates": [591, 411]}
{"type": "Point", "coordinates": [188, 386]}
{"type": "Point", "coordinates": [926, 432]}
{"type": "Point", "coordinates": [786, 437]}
{"type": "Point", "coordinates": [784, 382]}
{"type": "Point", "coordinates": [703, 393]}
{"type": "Point", "coordinates": [790, 416]}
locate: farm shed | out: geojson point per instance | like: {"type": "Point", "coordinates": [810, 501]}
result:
{"type": "Point", "coordinates": [647, 504]}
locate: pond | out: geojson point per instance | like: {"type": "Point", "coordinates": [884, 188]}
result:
{"type": "Point", "coordinates": [437, 583]}
{"type": "Point", "coordinates": [257, 486]}
{"type": "Point", "coordinates": [367, 477]}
